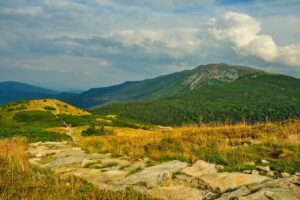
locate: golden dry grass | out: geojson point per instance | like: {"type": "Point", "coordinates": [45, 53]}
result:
{"type": "Point", "coordinates": [230, 145]}
{"type": "Point", "coordinates": [61, 107]}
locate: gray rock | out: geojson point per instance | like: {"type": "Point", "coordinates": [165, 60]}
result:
{"type": "Point", "coordinates": [156, 175]}
{"type": "Point", "coordinates": [254, 172]}
{"type": "Point", "coordinates": [264, 169]}
{"type": "Point", "coordinates": [200, 168]}
{"type": "Point", "coordinates": [285, 174]}
{"type": "Point", "coordinates": [247, 171]}
{"type": "Point", "coordinates": [228, 181]}
{"type": "Point", "coordinates": [265, 162]}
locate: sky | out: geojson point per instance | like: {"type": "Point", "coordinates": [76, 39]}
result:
{"type": "Point", "coordinates": [81, 44]}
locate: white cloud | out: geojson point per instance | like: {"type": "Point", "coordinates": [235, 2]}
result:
{"type": "Point", "coordinates": [27, 11]}
{"type": "Point", "coordinates": [244, 33]}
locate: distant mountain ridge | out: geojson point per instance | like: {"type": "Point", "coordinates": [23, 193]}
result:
{"type": "Point", "coordinates": [162, 86]}
{"type": "Point", "coordinates": [13, 91]}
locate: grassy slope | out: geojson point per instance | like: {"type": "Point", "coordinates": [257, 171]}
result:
{"type": "Point", "coordinates": [31, 118]}
{"type": "Point", "coordinates": [230, 145]}
{"type": "Point", "coordinates": [253, 99]}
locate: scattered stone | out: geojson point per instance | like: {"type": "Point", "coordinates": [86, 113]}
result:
{"type": "Point", "coordinates": [297, 173]}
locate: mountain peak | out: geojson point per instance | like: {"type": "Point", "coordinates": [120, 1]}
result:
{"type": "Point", "coordinates": [163, 86]}
{"type": "Point", "coordinates": [212, 74]}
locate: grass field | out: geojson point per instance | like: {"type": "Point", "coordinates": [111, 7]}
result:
{"type": "Point", "coordinates": [230, 145]}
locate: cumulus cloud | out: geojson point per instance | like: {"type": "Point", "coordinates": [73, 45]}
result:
{"type": "Point", "coordinates": [115, 40]}
{"type": "Point", "coordinates": [27, 11]}
{"type": "Point", "coordinates": [244, 33]}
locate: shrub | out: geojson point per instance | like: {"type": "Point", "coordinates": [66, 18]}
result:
{"type": "Point", "coordinates": [49, 108]}
{"type": "Point", "coordinates": [92, 130]}
{"type": "Point", "coordinates": [43, 119]}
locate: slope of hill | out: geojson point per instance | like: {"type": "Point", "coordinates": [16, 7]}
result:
{"type": "Point", "coordinates": [11, 91]}
{"type": "Point", "coordinates": [251, 98]}
{"type": "Point", "coordinates": [32, 118]}
{"type": "Point", "coordinates": [162, 86]}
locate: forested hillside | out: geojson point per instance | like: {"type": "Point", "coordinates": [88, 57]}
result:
{"type": "Point", "coordinates": [254, 98]}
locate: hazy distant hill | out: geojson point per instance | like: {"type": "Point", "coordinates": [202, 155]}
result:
{"type": "Point", "coordinates": [162, 86]}
{"type": "Point", "coordinates": [252, 98]}
{"type": "Point", "coordinates": [12, 91]}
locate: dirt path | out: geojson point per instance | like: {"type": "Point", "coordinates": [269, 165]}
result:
{"type": "Point", "coordinates": [169, 180]}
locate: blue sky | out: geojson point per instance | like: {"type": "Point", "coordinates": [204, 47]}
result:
{"type": "Point", "coordinates": [79, 44]}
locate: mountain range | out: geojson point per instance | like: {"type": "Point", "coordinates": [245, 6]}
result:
{"type": "Point", "coordinates": [162, 86]}
{"type": "Point", "coordinates": [13, 91]}
{"type": "Point", "coordinates": [208, 93]}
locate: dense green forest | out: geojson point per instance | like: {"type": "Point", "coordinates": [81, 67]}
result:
{"type": "Point", "coordinates": [254, 98]}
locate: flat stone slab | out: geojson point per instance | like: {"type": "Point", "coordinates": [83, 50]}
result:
{"type": "Point", "coordinates": [176, 192]}
{"type": "Point", "coordinates": [227, 181]}
{"type": "Point", "coordinates": [199, 168]}
{"type": "Point", "coordinates": [153, 176]}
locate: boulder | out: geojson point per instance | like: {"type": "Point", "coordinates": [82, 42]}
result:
{"type": "Point", "coordinates": [277, 189]}
{"type": "Point", "coordinates": [156, 175]}
{"type": "Point", "coordinates": [176, 192]}
{"type": "Point", "coordinates": [264, 169]}
{"type": "Point", "coordinates": [200, 168]}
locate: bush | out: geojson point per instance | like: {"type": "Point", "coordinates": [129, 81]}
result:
{"type": "Point", "coordinates": [76, 120]}
{"type": "Point", "coordinates": [32, 133]}
{"type": "Point", "coordinates": [92, 130]}
{"type": "Point", "coordinates": [43, 119]}
{"type": "Point", "coordinates": [21, 107]}
{"type": "Point", "coordinates": [49, 108]}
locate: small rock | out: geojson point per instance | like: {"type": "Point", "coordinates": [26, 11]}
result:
{"type": "Point", "coordinates": [250, 163]}
{"type": "Point", "coordinates": [219, 167]}
{"type": "Point", "coordinates": [264, 169]}
{"type": "Point", "coordinates": [86, 163]}
{"type": "Point", "coordinates": [199, 168]}
{"type": "Point", "coordinates": [271, 173]}
{"type": "Point", "coordinates": [285, 174]}
{"type": "Point", "coordinates": [247, 171]}
{"type": "Point", "coordinates": [254, 172]}
{"type": "Point", "coordinates": [297, 173]}
{"type": "Point", "coordinates": [265, 162]}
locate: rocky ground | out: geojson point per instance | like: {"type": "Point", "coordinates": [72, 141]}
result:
{"type": "Point", "coordinates": [169, 180]}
